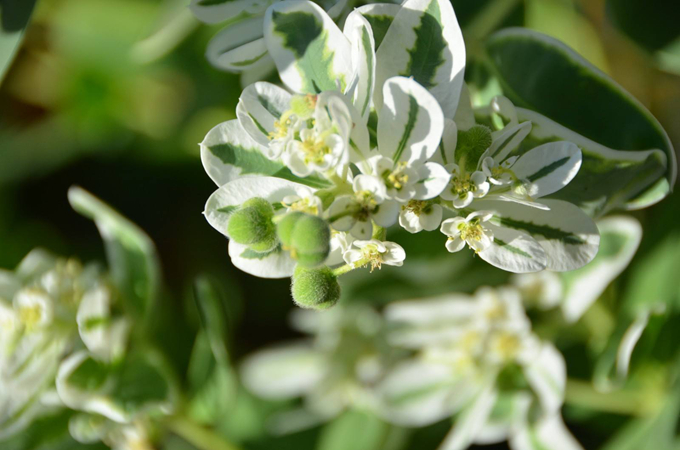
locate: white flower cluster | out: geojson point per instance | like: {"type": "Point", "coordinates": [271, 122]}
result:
{"type": "Point", "coordinates": [363, 147]}
{"type": "Point", "coordinates": [56, 314]}
{"type": "Point", "coordinates": [472, 357]}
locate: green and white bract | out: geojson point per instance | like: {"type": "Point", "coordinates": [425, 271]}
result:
{"type": "Point", "coordinates": [375, 126]}
{"type": "Point", "coordinates": [476, 358]}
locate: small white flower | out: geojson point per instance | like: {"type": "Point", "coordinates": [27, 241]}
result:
{"type": "Point", "coordinates": [340, 243]}
{"type": "Point", "coordinates": [375, 253]}
{"type": "Point", "coordinates": [418, 215]}
{"type": "Point", "coordinates": [499, 174]}
{"type": "Point", "coordinates": [470, 230]}
{"type": "Point", "coordinates": [464, 187]}
{"type": "Point", "coordinates": [316, 151]}
{"type": "Point", "coordinates": [354, 213]}
{"type": "Point", "coordinates": [399, 177]}
{"type": "Point", "coordinates": [283, 134]}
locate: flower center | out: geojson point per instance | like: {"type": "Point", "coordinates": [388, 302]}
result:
{"type": "Point", "coordinates": [367, 205]}
{"type": "Point", "coordinates": [417, 207]}
{"type": "Point", "coordinates": [461, 185]}
{"type": "Point", "coordinates": [506, 346]}
{"type": "Point", "coordinates": [396, 179]}
{"type": "Point", "coordinates": [30, 315]}
{"type": "Point", "coordinates": [371, 255]}
{"type": "Point", "coordinates": [282, 126]}
{"type": "Point", "coordinates": [471, 230]}
{"type": "Point", "coordinates": [315, 149]}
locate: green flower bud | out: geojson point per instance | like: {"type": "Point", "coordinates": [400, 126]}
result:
{"type": "Point", "coordinates": [306, 237]}
{"type": "Point", "coordinates": [315, 288]}
{"type": "Point", "coordinates": [252, 225]}
{"type": "Point", "coordinates": [471, 145]}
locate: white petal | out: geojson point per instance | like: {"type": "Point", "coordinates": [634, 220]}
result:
{"type": "Point", "coordinates": [450, 226]}
{"type": "Point", "coordinates": [260, 105]}
{"type": "Point", "coordinates": [386, 214]}
{"type": "Point", "coordinates": [432, 219]}
{"type": "Point", "coordinates": [362, 229]}
{"type": "Point", "coordinates": [455, 245]}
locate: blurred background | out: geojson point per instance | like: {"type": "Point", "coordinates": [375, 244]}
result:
{"type": "Point", "coordinates": [115, 95]}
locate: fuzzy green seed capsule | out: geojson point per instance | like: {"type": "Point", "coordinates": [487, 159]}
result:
{"type": "Point", "coordinates": [471, 145]}
{"type": "Point", "coordinates": [315, 288]}
{"type": "Point", "coordinates": [306, 237]}
{"type": "Point", "coordinates": [252, 225]}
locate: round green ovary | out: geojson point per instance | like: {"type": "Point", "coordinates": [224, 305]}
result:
{"type": "Point", "coordinates": [315, 288]}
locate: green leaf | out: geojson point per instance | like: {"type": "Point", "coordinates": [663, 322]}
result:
{"type": "Point", "coordinates": [14, 18]}
{"type": "Point", "coordinates": [380, 17]}
{"type": "Point", "coordinates": [544, 75]}
{"type": "Point", "coordinates": [212, 303]}
{"type": "Point", "coordinates": [131, 254]}
{"type": "Point", "coordinates": [228, 153]}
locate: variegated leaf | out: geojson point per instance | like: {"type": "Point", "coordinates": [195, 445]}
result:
{"type": "Point", "coordinates": [216, 11]}
{"type": "Point", "coordinates": [411, 123]}
{"type": "Point", "coordinates": [239, 46]}
{"type": "Point", "coordinates": [608, 179]}
{"type": "Point", "coordinates": [228, 152]}
{"type": "Point", "coordinates": [568, 236]}
{"type": "Point", "coordinates": [262, 104]}
{"type": "Point", "coordinates": [619, 240]}
{"type": "Point", "coordinates": [310, 52]}
{"type": "Point", "coordinates": [358, 31]}
{"type": "Point", "coordinates": [425, 42]}
{"type": "Point", "coordinates": [543, 74]}
{"type": "Point", "coordinates": [380, 17]}
{"type": "Point", "coordinates": [514, 251]}
{"type": "Point", "coordinates": [549, 167]}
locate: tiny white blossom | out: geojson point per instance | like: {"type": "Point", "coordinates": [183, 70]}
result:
{"type": "Point", "coordinates": [418, 215]}
{"type": "Point", "coordinates": [340, 243]}
{"type": "Point", "coordinates": [470, 230]}
{"type": "Point", "coordinates": [355, 213]}
{"type": "Point", "coordinates": [498, 174]}
{"type": "Point", "coordinates": [375, 253]}
{"type": "Point", "coordinates": [316, 151]}
{"type": "Point", "coordinates": [306, 202]}
{"type": "Point", "coordinates": [463, 187]}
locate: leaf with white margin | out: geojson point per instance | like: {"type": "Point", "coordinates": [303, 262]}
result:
{"type": "Point", "coordinates": [380, 17]}
{"type": "Point", "coordinates": [508, 139]}
{"type": "Point", "coordinates": [471, 420]}
{"type": "Point", "coordinates": [432, 180]}
{"type": "Point", "coordinates": [228, 153]}
{"type": "Point", "coordinates": [608, 179]}
{"type": "Point", "coordinates": [310, 52]}
{"type": "Point", "coordinates": [215, 11]}
{"type": "Point", "coordinates": [545, 75]}
{"type": "Point", "coordinates": [569, 237]}
{"type": "Point", "coordinates": [446, 152]}
{"type": "Point", "coordinates": [611, 368]}
{"type": "Point", "coordinates": [133, 261]}
{"type": "Point", "coordinates": [514, 251]}
{"type": "Point", "coordinates": [239, 46]}
{"type": "Point", "coordinates": [105, 337]}
{"type": "Point", "coordinates": [224, 201]}
{"type": "Point", "coordinates": [359, 33]}
{"type": "Point", "coordinates": [283, 372]}
{"type": "Point", "coordinates": [419, 323]}
{"type": "Point", "coordinates": [549, 167]}
{"type": "Point", "coordinates": [425, 42]}
{"type": "Point", "coordinates": [548, 433]}
{"type": "Point", "coordinates": [419, 393]}
{"type": "Point", "coordinates": [547, 376]}
{"type": "Point", "coordinates": [410, 123]}
{"type": "Point", "coordinates": [274, 264]}
{"type": "Point", "coordinates": [262, 104]}
{"type": "Point", "coordinates": [619, 240]}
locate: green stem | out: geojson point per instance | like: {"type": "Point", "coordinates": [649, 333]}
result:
{"type": "Point", "coordinates": [627, 402]}
{"type": "Point", "coordinates": [199, 436]}
{"type": "Point", "coordinates": [343, 269]}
